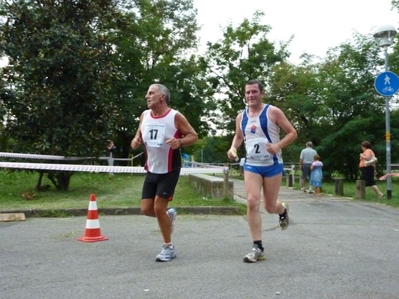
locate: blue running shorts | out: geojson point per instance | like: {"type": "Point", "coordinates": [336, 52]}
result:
{"type": "Point", "coordinates": [265, 171]}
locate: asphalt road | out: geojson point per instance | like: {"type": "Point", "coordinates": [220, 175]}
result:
{"type": "Point", "coordinates": [334, 248]}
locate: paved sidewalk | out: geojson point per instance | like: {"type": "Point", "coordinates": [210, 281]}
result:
{"type": "Point", "coordinates": [284, 194]}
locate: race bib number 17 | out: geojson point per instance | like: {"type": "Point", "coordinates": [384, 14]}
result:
{"type": "Point", "coordinates": [154, 135]}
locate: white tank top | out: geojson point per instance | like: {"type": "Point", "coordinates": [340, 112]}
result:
{"type": "Point", "coordinates": [258, 132]}
{"type": "Point", "coordinates": [155, 131]}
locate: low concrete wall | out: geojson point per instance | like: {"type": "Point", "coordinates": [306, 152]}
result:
{"type": "Point", "coordinates": [210, 186]}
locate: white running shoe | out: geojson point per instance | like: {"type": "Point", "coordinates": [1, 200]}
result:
{"type": "Point", "coordinates": [255, 255]}
{"type": "Point", "coordinates": [284, 219]}
{"type": "Point", "coordinates": [167, 254]}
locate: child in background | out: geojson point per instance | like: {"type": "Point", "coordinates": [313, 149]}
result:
{"type": "Point", "coordinates": [316, 175]}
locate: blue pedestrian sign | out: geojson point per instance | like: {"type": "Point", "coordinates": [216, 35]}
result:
{"type": "Point", "coordinates": [386, 84]}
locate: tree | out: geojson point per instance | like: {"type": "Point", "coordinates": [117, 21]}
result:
{"type": "Point", "coordinates": [243, 54]}
{"type": "Point", "coordinates": [158, 45]}
{"type": "Point", "coordinates": [57, 83]}
{"type": "Point", "coordinates": [296, 90]}
{"type": "Point", "coordinates": [212, 149]}
{"type": "Point", "coordinates": [355, 110]}
{"type": "Point", "coordinates": [334, 103]}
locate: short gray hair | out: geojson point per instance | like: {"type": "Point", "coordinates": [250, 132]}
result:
{"type": "Point", "coordinates": [163, 90]}
{"type": "Point", "coordinates": [309, 143]}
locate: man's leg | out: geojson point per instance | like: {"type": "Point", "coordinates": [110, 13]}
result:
{"type": "Point", "coordinates": [303, 178]}
{"type": "Point", "coordinates": [308, 177]}
{"type": "Point", "coordinates": [253, 183]}
{"type": "Point", "coordinates": [307, 173]}
{"type": "Point", "coordinates": [157, 208]}
{"type": "Point", "coordinates": [148, 195]}
{"type": "Point", "coordinates": [271, 188]}
{"type": "Point", "coordinates": [165, 190]}
{"type": "Point", "coordinates": [160, 207]}
{"type": "Point", "coordinates": [147, 207]}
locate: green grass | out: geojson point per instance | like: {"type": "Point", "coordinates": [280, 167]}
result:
{"type": "Point", "coordinates": [17, 191]}
{"type": "Point", "coordinates": [349, 190]}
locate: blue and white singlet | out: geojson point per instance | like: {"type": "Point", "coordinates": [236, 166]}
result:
{"type": "Point", "coordinates": [258, 132]}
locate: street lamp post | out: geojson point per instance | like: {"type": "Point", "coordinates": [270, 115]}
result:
{"type": "Point", "coordinates": [384, 35]}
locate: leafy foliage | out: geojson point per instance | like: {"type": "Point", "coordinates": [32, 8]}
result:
{"type": "Point", "coordinates": [243, 54]}
{"type": "Point", "coordinates": [158, 45]}
{"type": "Point", "coordinates": [334, 104]}
{"type": "Point", "coordinates": [57, 82]}
{"type": "Point", "coordinates": [79, 71]}
{"type": "Point", "coordinates": [59, 74]}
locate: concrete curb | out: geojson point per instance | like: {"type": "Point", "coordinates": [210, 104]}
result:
{"type": "Point", "coordinates": [208, 210]}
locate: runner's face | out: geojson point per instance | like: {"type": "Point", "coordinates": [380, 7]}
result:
{"type": "Point", "coordinates": [253, 95]}
{"type": "Point", "coordinates": [153, 96]}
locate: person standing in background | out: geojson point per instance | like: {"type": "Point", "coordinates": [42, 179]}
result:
{"type": "Point", "coordinates": [305, 161]}
{"type": "Point", "coordinates": [368, 172]}
{"type": "Point", "coordinates": [110, 153]}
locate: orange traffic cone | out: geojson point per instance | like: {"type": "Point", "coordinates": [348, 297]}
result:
{"type": "Point", "coordinates": [92, 232]}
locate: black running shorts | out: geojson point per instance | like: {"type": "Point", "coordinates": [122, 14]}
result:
{"type": "Point", "coordinates": [162, 185]}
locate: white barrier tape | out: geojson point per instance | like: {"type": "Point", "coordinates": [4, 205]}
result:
{"type": "Point", "coordinates": [121, 159]}
{"type": "Point", "coordinates": [99, 168]}
{"type": "Point", "coordinates": [206, 165]}
{"type": "Point", "coordinates": [31, 156]}
{"type": "Point", "coordinates": [49, 157]}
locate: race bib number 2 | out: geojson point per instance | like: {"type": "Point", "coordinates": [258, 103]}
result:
{"type": "Point", "coordinates": [154, 135]}
{"type": "Point", "coordinates": [256, 149]}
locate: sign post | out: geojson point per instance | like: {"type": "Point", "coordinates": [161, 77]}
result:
{"type": "Point", "coordinates": [387, 84]}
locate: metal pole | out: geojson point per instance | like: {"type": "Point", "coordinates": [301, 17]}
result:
{"type": "Point", "coordinates": [388, 134]}
{"type": "Point", "coordinates": [226, 180]}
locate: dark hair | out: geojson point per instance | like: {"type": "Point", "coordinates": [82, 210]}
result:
{"type": "Point", "coordinates": [252, 82]}
{"type": "Point", "coordinates": [366, 144]}
{"type": "Point", "coordinates": [316, 157]}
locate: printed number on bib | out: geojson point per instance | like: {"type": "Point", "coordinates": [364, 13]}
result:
{"type": "Point", "coordinates": [256, 149]}
{"type": "Point", "coordinates": [154, 135]}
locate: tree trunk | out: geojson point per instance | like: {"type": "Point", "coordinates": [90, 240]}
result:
{"type": "Point", "coordinates": [39, 182]}
{"type": "Point", "coordinates": [39, 186]}
{"type": "Point", "coordinates": [61, 179]}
